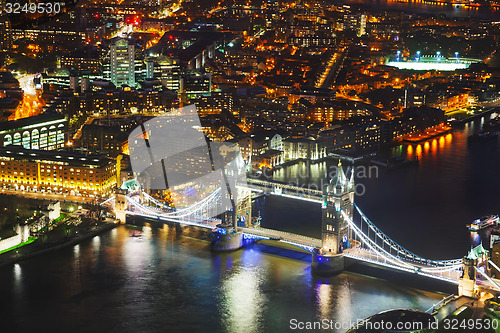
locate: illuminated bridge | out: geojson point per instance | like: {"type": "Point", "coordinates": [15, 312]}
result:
{"type": "Point", "coordinates": [362, 241]}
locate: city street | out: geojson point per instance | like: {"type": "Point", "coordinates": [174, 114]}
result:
{"type": "Point", "coordinates": [49, 196]}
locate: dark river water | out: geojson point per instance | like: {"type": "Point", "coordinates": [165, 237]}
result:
{"type": "Point", "coordinates": [426, 8]}
{"type": "Point", "coordinates": [168, 281]}
{"type": "Point", "coordinates": [161, 282]}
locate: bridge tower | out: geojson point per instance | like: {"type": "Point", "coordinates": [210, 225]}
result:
{"type": "Point", "coordinates": [477, 258]}
{"type": "Point", "coordinates": [120, 204]}
{"type": "Point", "coordinates": [226, 236]}
{"type": "Point", "coordinates": [244, 208]}
{"type": "Point", "coordinates": [338, 196]}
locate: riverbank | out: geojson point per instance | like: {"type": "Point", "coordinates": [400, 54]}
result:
{"type": "Point", "coordinates": [427, 134]}
{"type": "Point", "coordinates": [463, 121]}
{"type": "Point", "coordinates": [36, 249]}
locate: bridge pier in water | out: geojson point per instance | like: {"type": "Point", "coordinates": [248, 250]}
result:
{"type": "Point", "coordinates": [227, 237]}
{"type": "Point", "coordinates": [327, 264]}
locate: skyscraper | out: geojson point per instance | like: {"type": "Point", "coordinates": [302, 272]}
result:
{"type": "Point", "coordinates": [355, 22]}
{"type": "Point", "coordinates": [5, 32]}
{"type": "Point", "coordinates": [122, 62]}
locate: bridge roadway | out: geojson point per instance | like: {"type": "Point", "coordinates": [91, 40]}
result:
{"type": "Point", "coordinates": [294, 188]}
{"type": "Point", "coordinates": [188, 220]}
{"type": "Point", "coordinates": [305, 242]}
{"type": "Point", "coordinates": [285, 190]}
{"type": "Point", "coordinates": [358, 253]}
{"type": "Point", "coordinates": [308, 243]}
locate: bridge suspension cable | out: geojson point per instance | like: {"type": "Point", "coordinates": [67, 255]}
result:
{"type": "Point", "coordinates": [195, 210]}
{"type": "Point", "coordinates": [401, 250]}
{"type": "Point", "coordinates": [400, 258]}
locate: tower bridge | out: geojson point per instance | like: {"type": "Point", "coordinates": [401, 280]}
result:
{"type": "Point", "coordinates": [347, 234]}
{"type": "Point", "coordinates": [284, 190]}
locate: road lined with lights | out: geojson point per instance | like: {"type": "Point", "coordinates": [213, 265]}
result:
{"type": "Point", "coordinates": [49, 196]}
{"type": "Point", "coordinates": [330, 70]}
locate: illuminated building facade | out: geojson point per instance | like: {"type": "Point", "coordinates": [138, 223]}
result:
{"type": "Point", "coordinates": [99, 137]}
{"type": "Point", "coordinates": [5, 32]}
{"type": "Point", "coordinates": [214, 104]}
{"type": "Point", "coordinates": [196, 85]}
{"type": "Point", "coordinates": [165, 69]}
{"type": "Point", "coordinates": [329, 113]}
{"type": "Point", "coordinates": [355, 22]}
{"type": "Point", "coordinates": [354, 135]}
{"type": "Point", "coordinates": [57, 171]}
{"type": "Point", "coordinates": [259, 143]}
{"type": "Point", "coordinates": [84, 60]}
{"type": "Point", "coordinates": [46, 131]}
{"type": "Point", "coordinates": [313, 40]}
{"type": "Point", "coordinates": [303, 148]}
{"type": "Point", "coordinates": [122, 62]}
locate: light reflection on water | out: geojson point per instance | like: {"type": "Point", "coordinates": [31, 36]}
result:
{"type": "Point", "coordinates": [138, 284]}
{"type": "Point", "coordinates": [130, 280]}
{"type": "Point", "coordinates": [425, 208]}
{"type": "Point", "coordinates": [18, 277]}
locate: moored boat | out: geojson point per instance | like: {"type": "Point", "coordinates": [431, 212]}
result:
{"type": "Point", "coordinates": [483, 222]}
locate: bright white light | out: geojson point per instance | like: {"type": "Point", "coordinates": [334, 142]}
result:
{"type": "Point", "coordinates": [242, 297]}
{"type": "Point", "coordinates": [428, 66]}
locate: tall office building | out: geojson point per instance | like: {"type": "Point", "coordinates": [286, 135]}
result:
{"type": "Point", "coordinates": [361, 25]}
{"type": "Point", "coordinates": [165, 69]}
{"type": "Point", "coordinates": [356, 23]}
{"type": "Point", "coordinates": [5, 32]}
{"type": "Point", "coordinates": [122, 62]}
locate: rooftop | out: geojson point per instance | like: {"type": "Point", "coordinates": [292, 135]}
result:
{"type": "Point", "coordinates": [13, 125]}
{"type": "Point", "coordinates": [65, 157]}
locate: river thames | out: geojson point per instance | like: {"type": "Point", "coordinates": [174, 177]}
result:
{"type": "Point", "coordinates": [164, 280]}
